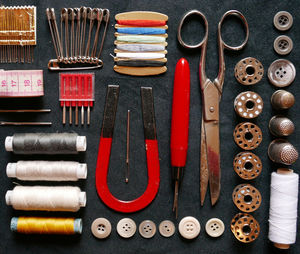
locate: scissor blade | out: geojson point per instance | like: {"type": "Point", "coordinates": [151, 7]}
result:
{"type": "Point", "coordinates": [213, 159]}
{"type": "Point", "coordinates": [203, 165]}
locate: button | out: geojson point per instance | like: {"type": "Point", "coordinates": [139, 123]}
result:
{"type": "Point", "coordinates": [147, 229]}
{"type": "Point", "coordinates": [214, 227]}
{"type": "Point", "coordinates": [101, 228]}
{"type": "Point", "coordinates": [189, 227]}
{"type": "Point", "coordinates": [166, 228]}
{"type": "Point", "coordinates": [283, 20]}
{"type": "Point", "coordinates": [283, 45]}
{"type": "Point", "coordinates": [126, 228]}
{"type": "Point", "coordinates": [281, 73]}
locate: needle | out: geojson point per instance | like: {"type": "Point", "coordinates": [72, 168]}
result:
{"type": "Point", "coordinates": [127, 146]}
{"type": "Point", "coordinates": [25, 123]}
{"type": "Point", "coordinates": [25, 110]}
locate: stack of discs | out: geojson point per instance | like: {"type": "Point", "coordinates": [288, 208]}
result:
{"type": "Point", "coordinates": [140, 43]}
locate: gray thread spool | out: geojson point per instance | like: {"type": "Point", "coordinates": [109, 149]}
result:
{"type": "Point", "coordinates": [45, 143]}
{"type": "Point", "coordinates": [281, 151]}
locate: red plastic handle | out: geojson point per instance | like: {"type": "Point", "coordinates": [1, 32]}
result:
{"type": "Point", "coordinates": [101, 178]}
{"type": "Point", "coordinates": [180, 114]}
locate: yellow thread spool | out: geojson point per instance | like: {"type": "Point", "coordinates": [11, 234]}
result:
{"type": "Point", "coordinates": [38, 225]}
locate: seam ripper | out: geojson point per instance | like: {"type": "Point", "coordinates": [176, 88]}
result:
{"type": "Point", "coordinates": [180, 124]}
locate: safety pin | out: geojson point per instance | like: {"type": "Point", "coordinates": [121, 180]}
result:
{"type": "Point", "coordinates": [105, 144]}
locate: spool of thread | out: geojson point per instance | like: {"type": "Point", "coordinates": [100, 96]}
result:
{"type": "Point", "coordinates": [283, 208]}
{"type": "Point", "coordinates": [45, 143]}
{"type": "Point", "coordinates": [140, 47]}
{"type": "Point", "coordinates": [140, 55]}
{"type": "Point", "coordinates": [38, 225]}
{"type": "Point", "coordinates": [47, 170]}
{"type": "Point", "coordinates": [141, 30]}
{"type": "Point", "coordinates": [141, 38]}
{"type": "Point", "coordinates": [46, 198]}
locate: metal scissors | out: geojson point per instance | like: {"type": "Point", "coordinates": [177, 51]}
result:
{"type": "Point", "coordinates": [211, 95]}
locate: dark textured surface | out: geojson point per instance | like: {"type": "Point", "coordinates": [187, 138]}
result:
{"type": "Point", "coordinates": [262, 33]}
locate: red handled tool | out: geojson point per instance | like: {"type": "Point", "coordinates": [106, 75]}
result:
{"type": "Point", "coordinates": [128, 206]}
{"type": "Point", "coordinates": [180, 124]}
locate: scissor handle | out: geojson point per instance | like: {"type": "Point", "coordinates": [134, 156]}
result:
{"type": "Point", "coordinates": [185, 16]}
{"type": "Point", "coordinates": [245, 23]}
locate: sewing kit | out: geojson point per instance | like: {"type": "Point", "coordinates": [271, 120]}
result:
{"type": "Point", "coordinates": [48, 170]}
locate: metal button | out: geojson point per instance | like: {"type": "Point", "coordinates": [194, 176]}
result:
{"type": "Point", "coordinates": [147, 229]}
{"type": "Point", "coordinates": [214, 227]}
{"type": "Point", "coordinates": [126, 228]}
{"type": "Point", "coordinates": [281, 73]}
{"type": "Point", "coordinates": [101, 228]}
{"type": "Point", "coordinates": [283, 20]}
{"type": "Point", "coordinates": [189, 227]}
{"type": "Point", "coordinates": [283, 45]}
{"type": "Point", "coordinates": [166, 228]}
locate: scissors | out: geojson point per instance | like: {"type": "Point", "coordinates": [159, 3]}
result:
{"type": "Point", "coordinates": [210, 170]}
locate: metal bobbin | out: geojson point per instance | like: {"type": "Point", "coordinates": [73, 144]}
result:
{"type": "Point", "coordinates": [282, 99]}
{"type": "Point", "coordinates": [249, 71]}
{"type": "Point", "coordinates": [247, 165]}
{"type": "Point", "coordinates": [281, 126]}
{"type": "Point", "coordinates": [245, 228]}
{"type": "Point", "coordinates": [246, 198]}
{"type": "Point", "coordinates": [248, 104]}
{"type": "Point", "coordinates": [247, 135]}
{"type": "Point", "coordinates": [282, 151]}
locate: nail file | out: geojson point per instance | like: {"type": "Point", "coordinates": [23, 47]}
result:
{"type": "Point", "coordinates": [139, 32]}
{"type": "Point", "coordinates": [21, 83]}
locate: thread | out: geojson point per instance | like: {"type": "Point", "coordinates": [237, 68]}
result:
{"type": "Point", "coordinates": [140, 55]}
{"type": "Point", "coordinates": [46, 198]}
{"type": "Point", "coordinates": [140, 47]}
{"type": "Point", "coordinates": [283, 208]}
{"type": "Point", "coordinates": [140, 63]}
{"type": "Point", "coordinates": [140, 22]}
{"type": "Point", "coordinates": [38, 225]}
{"type": "Point", "coordinates": [45, 143]}
{"type": "Point", "coordinates": [47, 170]}
{"type": "Point", "coordinates": [141, 30]}
{"type": "Point", "coordinates": [141, 38]}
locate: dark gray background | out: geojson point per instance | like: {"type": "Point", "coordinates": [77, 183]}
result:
{"type": "Point", "coordinates": [262, 34]}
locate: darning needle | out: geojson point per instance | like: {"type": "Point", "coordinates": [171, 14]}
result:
{"type": "Point", "coordinates": [64, 107]}
{"type": "Point", "coordinates": [76, 107]}
{"type": "Point", "coordinates": [25, 110]}
{"type": "Point", "coordinates": [25, 123]}
{"type": "Point", "coordinates": [70, 106]}
{"type": "Point", "coordinates": [127, 146]}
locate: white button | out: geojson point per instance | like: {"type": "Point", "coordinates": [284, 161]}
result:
{"type": "Point", "coordinates": [214, 227]}
{"type": "Point", "coordinates": [126, 227]}
{"type": "Point", "coordinates": [101, 228]}
{"type": "Point", "coordinates": [166, 228]}
{"type": "Point", "coordinates": [189, 227]}
{"type": "Point", "coordinates": [147, 229]}
{"type": "Point", "coordinates": [283, 20]}
{"type": "Point", "coordinates": [283, 45]}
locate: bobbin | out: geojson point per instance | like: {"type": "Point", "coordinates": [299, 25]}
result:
{"type": "Point", "coordinates": [281, 126]}
{"type": "Point", "coordinates": [245, 228]}
{"type": "Point", "coordinates": [248, 104]}
{"type": "Point", "coordinates": [249, 71]}
{"type": "Point", "coordinates": [282, 151]}
{"type": "Point", "coordinates": [282, 99]}
{"type": "Point", "coordinates": [247, 135]}
{"type": "Point", "coordinates": [246, 198]}
{"type": "Point", "coordinates": [247, 165]}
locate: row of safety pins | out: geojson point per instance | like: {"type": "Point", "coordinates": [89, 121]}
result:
{"type": "Point", "coordinates": [17, 34]}
{"type": "Point", "coordinates": [74, 47]}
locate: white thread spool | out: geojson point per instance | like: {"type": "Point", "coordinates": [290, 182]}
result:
{"type": "Point", "coordinates": [283, 208]}
{"type": "Point", "coordinates": [140, 55]}
{"type": "Point", "coordinates": [47, 170]}
{"type": "Point", "coordinates": [46, 198]}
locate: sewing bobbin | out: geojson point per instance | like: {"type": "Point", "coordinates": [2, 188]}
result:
{"type": "Point", "coordinates": [245, 228]}
{"type": "Point", "coordinates": [247, 165]}
{"type": "Point", "coordinates": [247, 135]}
